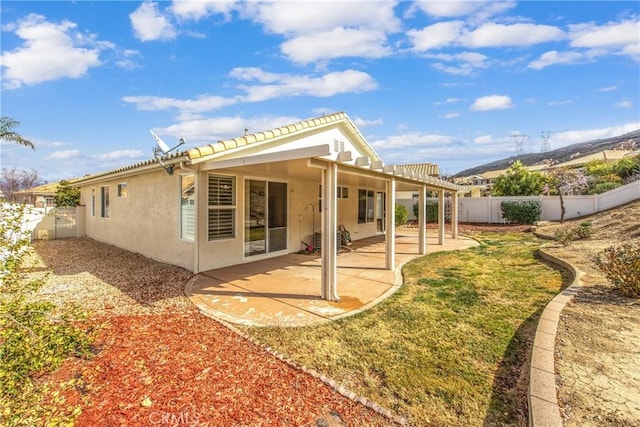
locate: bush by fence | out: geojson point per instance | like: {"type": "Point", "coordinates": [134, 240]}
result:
{"type": "Point", "coordinates": [521, 212]}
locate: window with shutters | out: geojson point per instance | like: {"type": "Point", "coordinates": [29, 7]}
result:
{"type": "Point", "coordinates": [222, 207]}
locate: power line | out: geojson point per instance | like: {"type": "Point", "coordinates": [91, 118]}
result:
{"type": "Point", "coordinates": [545, 145]}
{"type": "Point", "coordinates": [519, 140]}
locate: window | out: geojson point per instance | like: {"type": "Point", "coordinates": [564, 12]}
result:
{"type": "Point", "coordinates": [122, 190]}
{"type": "Point", "coordinates": [365, 206]}
{"type": "Point", "coordinates": [104, 202]}
{"type": "Point", "coordinates": [187, 206]}
{"type": "Point", "coordinates": [93, 202]}
{"type": "Point", "coordinates": [221, 207]}
{"type": "Point", "coordinates": [343, 192]}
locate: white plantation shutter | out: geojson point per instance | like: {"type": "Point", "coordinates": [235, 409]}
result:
{"type": "Point", "coordinates": [222, 207]}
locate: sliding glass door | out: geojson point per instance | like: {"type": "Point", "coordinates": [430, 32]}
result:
{"type": "Point", "coordinates": [265, 219]}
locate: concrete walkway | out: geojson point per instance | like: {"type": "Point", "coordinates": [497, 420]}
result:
{"type": "Point", "coordinates": [285, 290]}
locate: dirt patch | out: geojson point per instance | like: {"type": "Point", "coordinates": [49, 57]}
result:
{"type": "Point", "coordinates": [598, 339]}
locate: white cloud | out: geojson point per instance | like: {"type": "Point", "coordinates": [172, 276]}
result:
{"type": "Point", "coordinates": [491, 102]}
{"type": "Point", "coordinates": [521, 34]}
{"type": "Point", "coordinates": [473, 10]}
{"type": "Point", "coordinates": [197, 9]}
{"type": "Point", "coordinates": [554, 57]}
{"type": "Point", "coordinates": [468, 62]}
{"type": "Point", "coordinates": [361, 123]}
{"type": "Point", "coordinates": [50, 51]}
{"type": "Point", "coordinates": [612, 34]}
{"type": "Point", "coordinates": [436, 36]}
{"type": "Point", "coordinates": [562, 139]}
{"type": "Point", "coordinates": [200, 104]}
{"type": "Point", "coordinates": [291, 18]}
{"type": "Point", "coordinates": [336, 43]}
{"type": "Point", "coordinates": [625, 103]}
{"type": "Point", "coordinates": [555, 103]}
{"type": "Point", "coordinates": [284, 85]}
{"type": "Point", "coordinates": [416, 139]}
{"type": "Point", "coordinates": [121, 154]}
{"type": "Point", "coordinates": [450, 116]}
{"type": "Point", "coordinates": [485, 139]}
{"type": "Point", "coordinates": [149, 24]}
{"type": "Point", "coordinates": [203, 131]}
{"type": "Point", "coordinates": [64, 154]}
{"type": "Point", "coordinates": [607, 89]}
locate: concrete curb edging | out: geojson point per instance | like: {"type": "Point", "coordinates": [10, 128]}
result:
{"type": "Point", "coordinates": [544, 410]}
{"type": "Point", "coordinates": [339, 388]}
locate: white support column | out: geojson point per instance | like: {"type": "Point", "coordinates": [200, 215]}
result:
{"type": "Point", "coordinates": [391, 224]}
{"type": "Point", "coordinates": [441, 217]}
{"type": "Point", "coordinates": [454, 214]}
{"type": "Point", "coordinates": [422, 220]}
{"type": "Point", "coordinates": [329, 232]}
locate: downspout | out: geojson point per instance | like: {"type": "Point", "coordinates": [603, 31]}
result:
{"type": "Point", "coordinates": [196, 234]}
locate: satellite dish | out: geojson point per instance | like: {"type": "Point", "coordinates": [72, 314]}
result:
{"type": "Point", "coordinates": [162, 150]}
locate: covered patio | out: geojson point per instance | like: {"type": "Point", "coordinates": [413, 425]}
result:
{"type": "Point", "coordinates": [286, 291]}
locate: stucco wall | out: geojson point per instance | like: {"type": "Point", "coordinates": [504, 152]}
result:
{"type": "Point", "coordinates": [146, 221]}
{"type": "Point", "coordinates": [303, 217]}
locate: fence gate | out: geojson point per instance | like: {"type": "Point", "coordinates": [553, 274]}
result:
{"type": "Point", "coordinates": [65, 222]}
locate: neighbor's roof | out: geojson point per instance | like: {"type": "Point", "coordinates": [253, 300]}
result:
{"type": "Point", "coordinates": [289, 130]}
{"type": "Point", "coordinates": [430, 169]}
{"type": "Point", "coordinates": [44, 189]}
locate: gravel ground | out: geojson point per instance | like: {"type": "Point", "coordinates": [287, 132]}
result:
{"type": "Point", "coordinates": [598, 339]}
{"type": "Point", "coordinates": [104, 279]}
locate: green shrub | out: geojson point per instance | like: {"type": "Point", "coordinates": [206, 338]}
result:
{"type": "Point", "coordinates": [627, 166]}
{"type": "Point", "coordinates": [564, 236]}
{"type": "Point", "coordinates": [568, 234]}
{"type": "Point", "coordinates": [621, 265]}
{"type": "Point", "coordinates": [584, 230]}
{"type": "Point", "coordinates": [402, 214]}
{"type": "Point", "coordinates": [35, 337]}
{"type": "Point", "coordinates": [521, 212]}
{"type": "Point", "coordinates": [432, 211]}
{"type": "Point", "coordinates": [600, 187]}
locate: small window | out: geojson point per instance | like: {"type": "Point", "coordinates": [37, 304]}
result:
{"type": "Point", "coordinates": [222, 207]}
{"type": "Point", "coordinates": [122, 190]}
{"type": "Point", "coordinates": [93, 202]}
{"type": "Point", "coordinates": [187, 206]}
{"type": "Point", "coordinates": [365, 206]}
{"type": "Point", "coordinates": [104, 202]}
{"type": "Point", "coordinates": [343, 192]}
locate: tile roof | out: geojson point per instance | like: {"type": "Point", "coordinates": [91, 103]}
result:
{"type": "Point", "coordinates": [49, 188]}
{"type": "Point", "coordinates": [430, 169]}
{"type": "Point", "coordinates": [288, 130]}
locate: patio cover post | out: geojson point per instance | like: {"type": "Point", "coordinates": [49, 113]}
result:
{"type": "Point", "coordinates": [329, 232]}
{"type": "Point", "coordinates": [454, 214]}
{"type": "Point", "coordinates": [441, 217]}
{"type": "Point", "coordinates": [390, 209]}
{"type": "Point", "coordinates": [422, 220]}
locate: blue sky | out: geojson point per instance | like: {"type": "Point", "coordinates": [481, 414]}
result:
{"type": "Point", "coordinates": [441, 82]}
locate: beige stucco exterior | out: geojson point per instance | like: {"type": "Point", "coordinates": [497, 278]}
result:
{"type": "Point", "coordinates": [304, 156]}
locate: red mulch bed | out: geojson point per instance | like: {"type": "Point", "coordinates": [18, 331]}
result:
{"type": "Point", "coordinates": [186, 369]}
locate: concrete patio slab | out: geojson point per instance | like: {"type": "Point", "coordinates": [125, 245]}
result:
{"type": "Point", "coordinates": [285, 290]}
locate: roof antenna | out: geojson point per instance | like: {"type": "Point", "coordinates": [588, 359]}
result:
{"type": "Point", "coordinates": [161, 151]}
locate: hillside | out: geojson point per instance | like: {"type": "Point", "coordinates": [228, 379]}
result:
{"type": "Point", "coordinates": [629, 140]}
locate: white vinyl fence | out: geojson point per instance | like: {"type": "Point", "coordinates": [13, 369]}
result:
{"type": "Point", "coordinates": [488, 210]}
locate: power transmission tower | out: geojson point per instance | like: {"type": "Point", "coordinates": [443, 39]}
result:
{"type": "Point", "coordinates": [545, 146]}
{"type": "Point", "coordinates": [519, 139]}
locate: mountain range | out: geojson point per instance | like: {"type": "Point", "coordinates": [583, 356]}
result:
{"type": "Point", "coordinates": [627, 141]}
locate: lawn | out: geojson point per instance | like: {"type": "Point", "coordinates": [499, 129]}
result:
{"type": "Point", "coordinates": [450, 347]}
